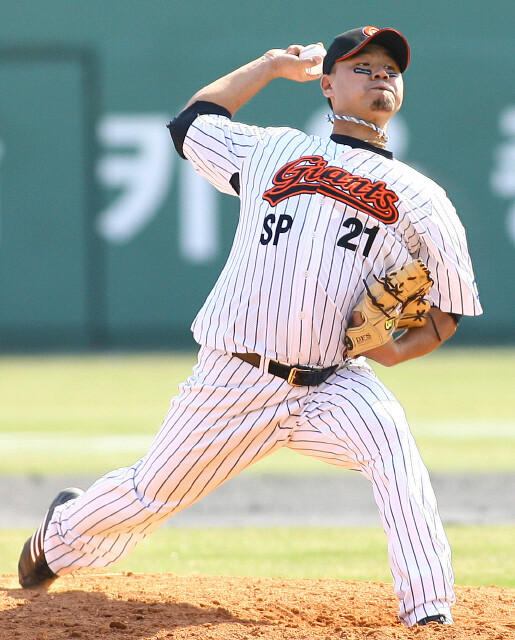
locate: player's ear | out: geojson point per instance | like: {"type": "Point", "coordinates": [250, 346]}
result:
{"type": "Point", "coordinates": [326, 86]}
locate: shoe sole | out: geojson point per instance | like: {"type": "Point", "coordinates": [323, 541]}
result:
{"type": "Point", "coordinates": [33, 552]}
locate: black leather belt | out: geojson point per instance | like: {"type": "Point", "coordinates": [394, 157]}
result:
{"type": "Point", "coordinates": [296, 375]}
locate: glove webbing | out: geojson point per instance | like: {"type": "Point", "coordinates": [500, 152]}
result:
{"type": "Point", "coordinates": [391, 289]}
{"type": "Point", "coordinates": [394, 291]}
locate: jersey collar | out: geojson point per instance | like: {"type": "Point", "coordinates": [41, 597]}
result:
{"type": "Point", "coordinates": [339, 138]}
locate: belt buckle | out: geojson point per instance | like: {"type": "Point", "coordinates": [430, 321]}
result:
{"type": "Point", "coordinates": [293, 373]}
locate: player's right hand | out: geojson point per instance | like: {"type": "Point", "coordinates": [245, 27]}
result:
{"type": "Point", "coordinates": [287, 64]}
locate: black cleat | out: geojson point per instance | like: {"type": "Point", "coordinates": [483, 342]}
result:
{"type": "Point", "coordinates": [439, 618]}
{"type": "Point", "coordinates": [33, 570]}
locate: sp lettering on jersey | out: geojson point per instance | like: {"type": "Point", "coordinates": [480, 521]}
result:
{"type": "Point", "coordinates": [311, 174]}
{"type": "Point", "coordinates": [283, 225]}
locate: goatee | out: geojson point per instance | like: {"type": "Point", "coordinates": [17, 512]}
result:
{"type": "Point", "coordinates": [385, 102]}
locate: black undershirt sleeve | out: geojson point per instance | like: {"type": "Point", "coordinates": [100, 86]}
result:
{"type": "Point", "coordinates": [179, 126]}
{"type": "Point", "coordinates": [456, 317]}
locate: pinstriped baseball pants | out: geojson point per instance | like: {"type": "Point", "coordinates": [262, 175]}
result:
{"type": "Point", "coordinates": [228, 415]}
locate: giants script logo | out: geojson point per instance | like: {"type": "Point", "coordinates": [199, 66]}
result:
{"type": "Point", "coordinates": [310, 174]}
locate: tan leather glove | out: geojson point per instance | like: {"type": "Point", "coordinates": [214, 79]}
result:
{"type": "Point", "coordinates": [399, 292]}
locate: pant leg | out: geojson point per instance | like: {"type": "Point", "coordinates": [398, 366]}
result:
{"type": "Point", "coordinates": [227, 416]}
{"type": "Point", "coordinates": [355, 422]}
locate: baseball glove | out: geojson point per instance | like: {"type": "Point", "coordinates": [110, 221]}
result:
{"type": "Point", "coordinates": [394, 302]}
{"type": "Point", "coordinates": [414, 314]}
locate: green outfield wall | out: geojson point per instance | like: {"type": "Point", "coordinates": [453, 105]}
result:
{"type": "Point", "coordinates": [109, 240]}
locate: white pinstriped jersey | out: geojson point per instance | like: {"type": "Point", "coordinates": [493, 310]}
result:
{"type": "Point", "coordinates": [318, 218]}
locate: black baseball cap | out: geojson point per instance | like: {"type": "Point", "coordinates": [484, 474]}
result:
{"type": "Point", "coordinates": [350, 42]}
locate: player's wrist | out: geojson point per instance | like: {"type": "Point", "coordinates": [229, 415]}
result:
{"type": "Point", "coordinates": [387, 354]}
{"type": "Point", "coordinates": [273, 64]}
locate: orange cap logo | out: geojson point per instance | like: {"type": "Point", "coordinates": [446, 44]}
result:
{"type": "Point", "coordinates": [369, 31]}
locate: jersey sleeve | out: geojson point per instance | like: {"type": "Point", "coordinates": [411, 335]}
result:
{"type": "Point", "coordinates": [443, 248]}
{"type": "Point", "coordinates": [215, 146]}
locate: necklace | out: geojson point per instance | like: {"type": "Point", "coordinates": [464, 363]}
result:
{"type": "Point", "coordinates": [379, 143]}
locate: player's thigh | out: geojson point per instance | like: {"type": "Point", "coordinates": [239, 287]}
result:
{"type": "Point", "coordinates": [352, 421]}
{"type": "Point", "coordinates": [226, 416]}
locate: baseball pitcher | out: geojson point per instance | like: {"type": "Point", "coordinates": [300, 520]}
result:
{"type": "Point", "coordinates": [341, 253]}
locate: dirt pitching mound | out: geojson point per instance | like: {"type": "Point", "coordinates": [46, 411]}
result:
{"type": "Point", "coordinates": [130, 606]}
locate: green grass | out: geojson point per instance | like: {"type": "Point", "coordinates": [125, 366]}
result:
{"type": "Point", "coordinates": [89, 394]}
{"type": "Point", "coordinates": [92, 413]}
{"type": "Point", "coordinates": [89, 414]}
{"type": "Point", "coordinates": [482, 555]}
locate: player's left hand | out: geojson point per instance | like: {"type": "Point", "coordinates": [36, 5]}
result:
{"type": "Point", "coordinates": [376, 316]}
{"type": "Point", "coordinates": [414, 314]}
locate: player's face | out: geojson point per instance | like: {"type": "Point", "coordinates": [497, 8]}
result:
{"type": "Point", "coordinates": [368, 85]}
